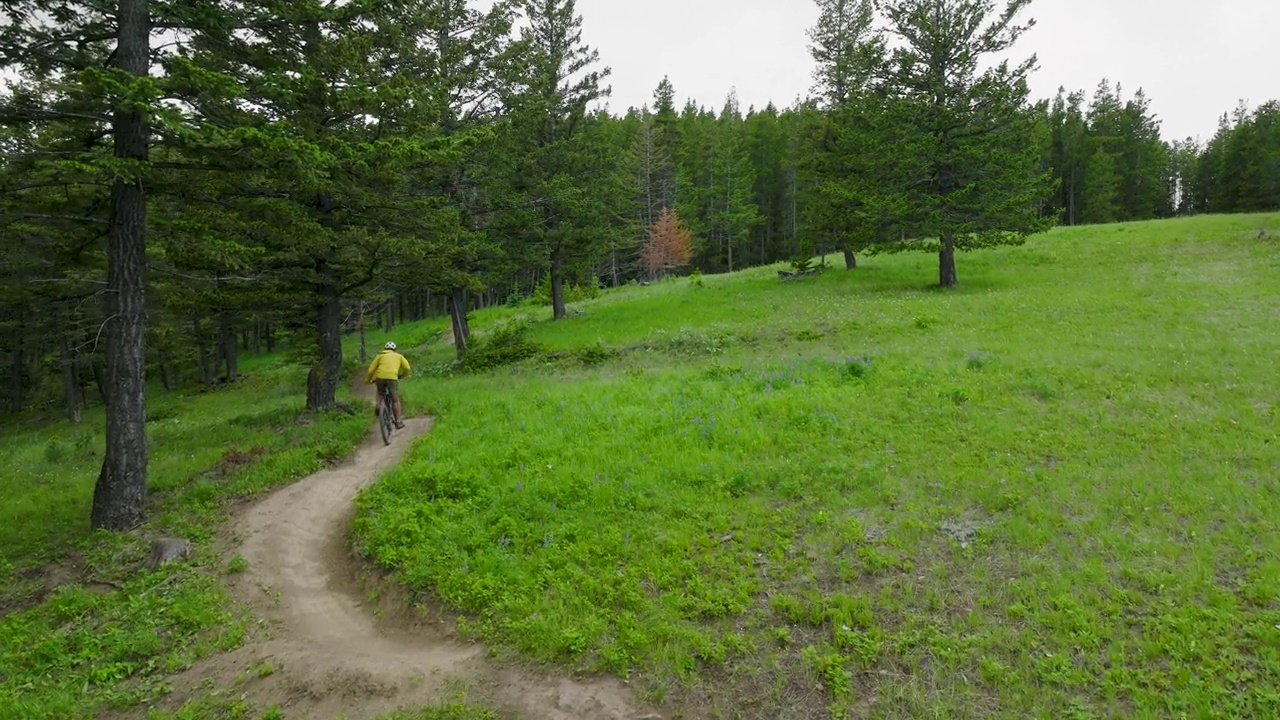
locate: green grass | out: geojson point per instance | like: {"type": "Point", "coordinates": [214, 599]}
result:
{"type": "Point", "coordinates": [1050, 493]}
{"type": "Point", "coordinates": [84, 626]}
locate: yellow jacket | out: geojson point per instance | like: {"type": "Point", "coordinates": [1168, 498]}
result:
{"type": "Point", "coordinates": [387, 365]}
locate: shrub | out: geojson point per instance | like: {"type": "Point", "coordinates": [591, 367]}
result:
{"type": "Point", "coordinates": [924, 322]}
{"type": "Point", "coordinates": [857, 367]}
{"type": "Point", "coordinates": [802, 264]}
{"type": "Point", "coordinates": [803, 259]}
{"type": "Point", "coordinates": [595, 353]}
{"type": "Point", "coordinates": [572, 293]}
{"type": "Point", "coordinates": [692, 342]}
{"type": "Point", "coordinates": [506, 345]}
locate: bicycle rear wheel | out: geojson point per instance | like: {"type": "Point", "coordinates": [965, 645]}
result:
{"type": "Point", "coordinates": [384, 419]}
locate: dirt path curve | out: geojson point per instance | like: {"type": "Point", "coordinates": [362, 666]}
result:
{"type": "Point", "coordinates": [330, 656]}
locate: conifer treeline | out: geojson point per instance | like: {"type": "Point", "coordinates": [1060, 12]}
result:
{"type": "Point", "coordinates": [289, 174]}
{"type": "Point", "coordinates": [741, 181]}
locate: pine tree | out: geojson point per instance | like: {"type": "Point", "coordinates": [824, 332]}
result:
{"type": "Point", "coordinates": [551, 111]}
{"type": "Point", "coordinates": [1247, 158]}
{"type": "Point", "coordinates": [982, 184]}
{"type": "Point", "coordinates": [654, 170]}
{"type": "Point", "coordinates": [695, 177]}
{"type": "Point", "coordinates": [106, 92]}
{"type": "Point", "coordinates": [666, 130]}
{"type": "Point", "coordinates": [842, 162]}
{"type": "Point", "coordinates": [615, 231]}
{"type": "Point", "coordinates": [458, 60]}
{"type": "Point", "coordinates": [1104, 168]}
{"type": "Point", "coordinates": [1180, 176]}
{"type": "Point", "coordinates": [1142, 159]}
{"type": "Point", "coordinates": [1207, 189]}
{"type": "Point", "coordinates": [845, 49]}
{"type": "Point", "coordinates": [767, 147]}
{"type": "Point", "coordinates": [332, 132]}
{"type": "Point", "coordinates": [1101, 189]}
{"type": "Point", "coordinates": [1069, 154]}
{"type": "Point", "coordinates": [734, 213]}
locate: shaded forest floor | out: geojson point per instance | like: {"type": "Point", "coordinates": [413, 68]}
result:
{"type": "Point", "coordinates": [1051, 493]}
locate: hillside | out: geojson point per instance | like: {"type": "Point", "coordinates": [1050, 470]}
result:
{"type": "Point", "coordinates": [1050, 492]}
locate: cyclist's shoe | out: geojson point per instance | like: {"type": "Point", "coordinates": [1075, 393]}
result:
{"type": "Point", "coordinates": [399, 426]}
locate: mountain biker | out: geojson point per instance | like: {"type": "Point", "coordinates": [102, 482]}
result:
{"type": "Point", "coordinates": [386, 370]}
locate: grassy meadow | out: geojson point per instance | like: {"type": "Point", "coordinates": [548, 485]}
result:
{"type": "Point", "coordinates": [1050, 493]}
{"type": "Point", "coordinates": [83, 627]}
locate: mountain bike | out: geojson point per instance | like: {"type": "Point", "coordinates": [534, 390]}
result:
{"type": "Point", "coordinates": [386, 414]}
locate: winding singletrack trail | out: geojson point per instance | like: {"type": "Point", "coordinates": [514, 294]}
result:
{"type": "Point", "coordinates": [333, 652]}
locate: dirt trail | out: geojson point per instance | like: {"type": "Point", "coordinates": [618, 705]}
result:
{"type": "Point", "coordinates": [330, 656]}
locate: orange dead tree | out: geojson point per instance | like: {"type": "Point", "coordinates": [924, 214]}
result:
{"type": "Point", "coordinates": [670, 245]}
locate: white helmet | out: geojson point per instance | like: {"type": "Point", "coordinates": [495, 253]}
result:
{"type": "Point", "coordinates": [390, 346]}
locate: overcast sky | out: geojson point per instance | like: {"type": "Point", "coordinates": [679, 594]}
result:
{"type": "Point", "coordinates": [1194, 58]}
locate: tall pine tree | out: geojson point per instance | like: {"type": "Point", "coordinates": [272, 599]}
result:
{"type": "Point", "coordinates": [733, 210]}
{"type": "Point", "coordinates": [94, 64]}
{"type": "Point", "coordinates": [843, 162]}
{"type": "Point", "coordinates": [980, 181]}
{"type": "Point", "coordinates": [558, 84]}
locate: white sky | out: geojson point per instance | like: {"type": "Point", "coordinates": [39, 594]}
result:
{"type": "Point", "coordinates": [1194, 58]}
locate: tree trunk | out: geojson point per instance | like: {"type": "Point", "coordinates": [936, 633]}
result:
{"type": "Point", "coordinates": [70, 381]}
{"type": "Point", "coordinates": [99, 378]}
{"type": "Point", "coordinates": [322, 383]}
{"type": "Point", "coordinates": [217, 353]}
{"type": "Point", "coordinates": [558, 310]}
{"type": "Point", "coordinates": [208, 363]}
{"type": "Point", "coordinates": [391, 315]}
{"type": "Point", "coordinates": [458, 319]}
{"type": "Point", "coordinates": [850, 260]}
{"type": "Point", "coordinates": [364, 345]}
{"type": "Point", "coordinates": [1071, 195]}
{"type": "Point", "coordinates": [120, 495]}
{"type": "Point", "coordinates": [230, 348]}
{"type": "Point", "coordinates": [947, 260]}
{"type": "Point", "coordinates": [257, 338]}
{"type": "Point", "coordinates": [16, 399]}
{"type": "Point", "coordinates": [271, 338]}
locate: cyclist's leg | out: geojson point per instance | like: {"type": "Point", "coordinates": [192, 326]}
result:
{"type": "Point", "coordinates": [395, 400]}
{"type": "Point", "coordinates": [380, 386]}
